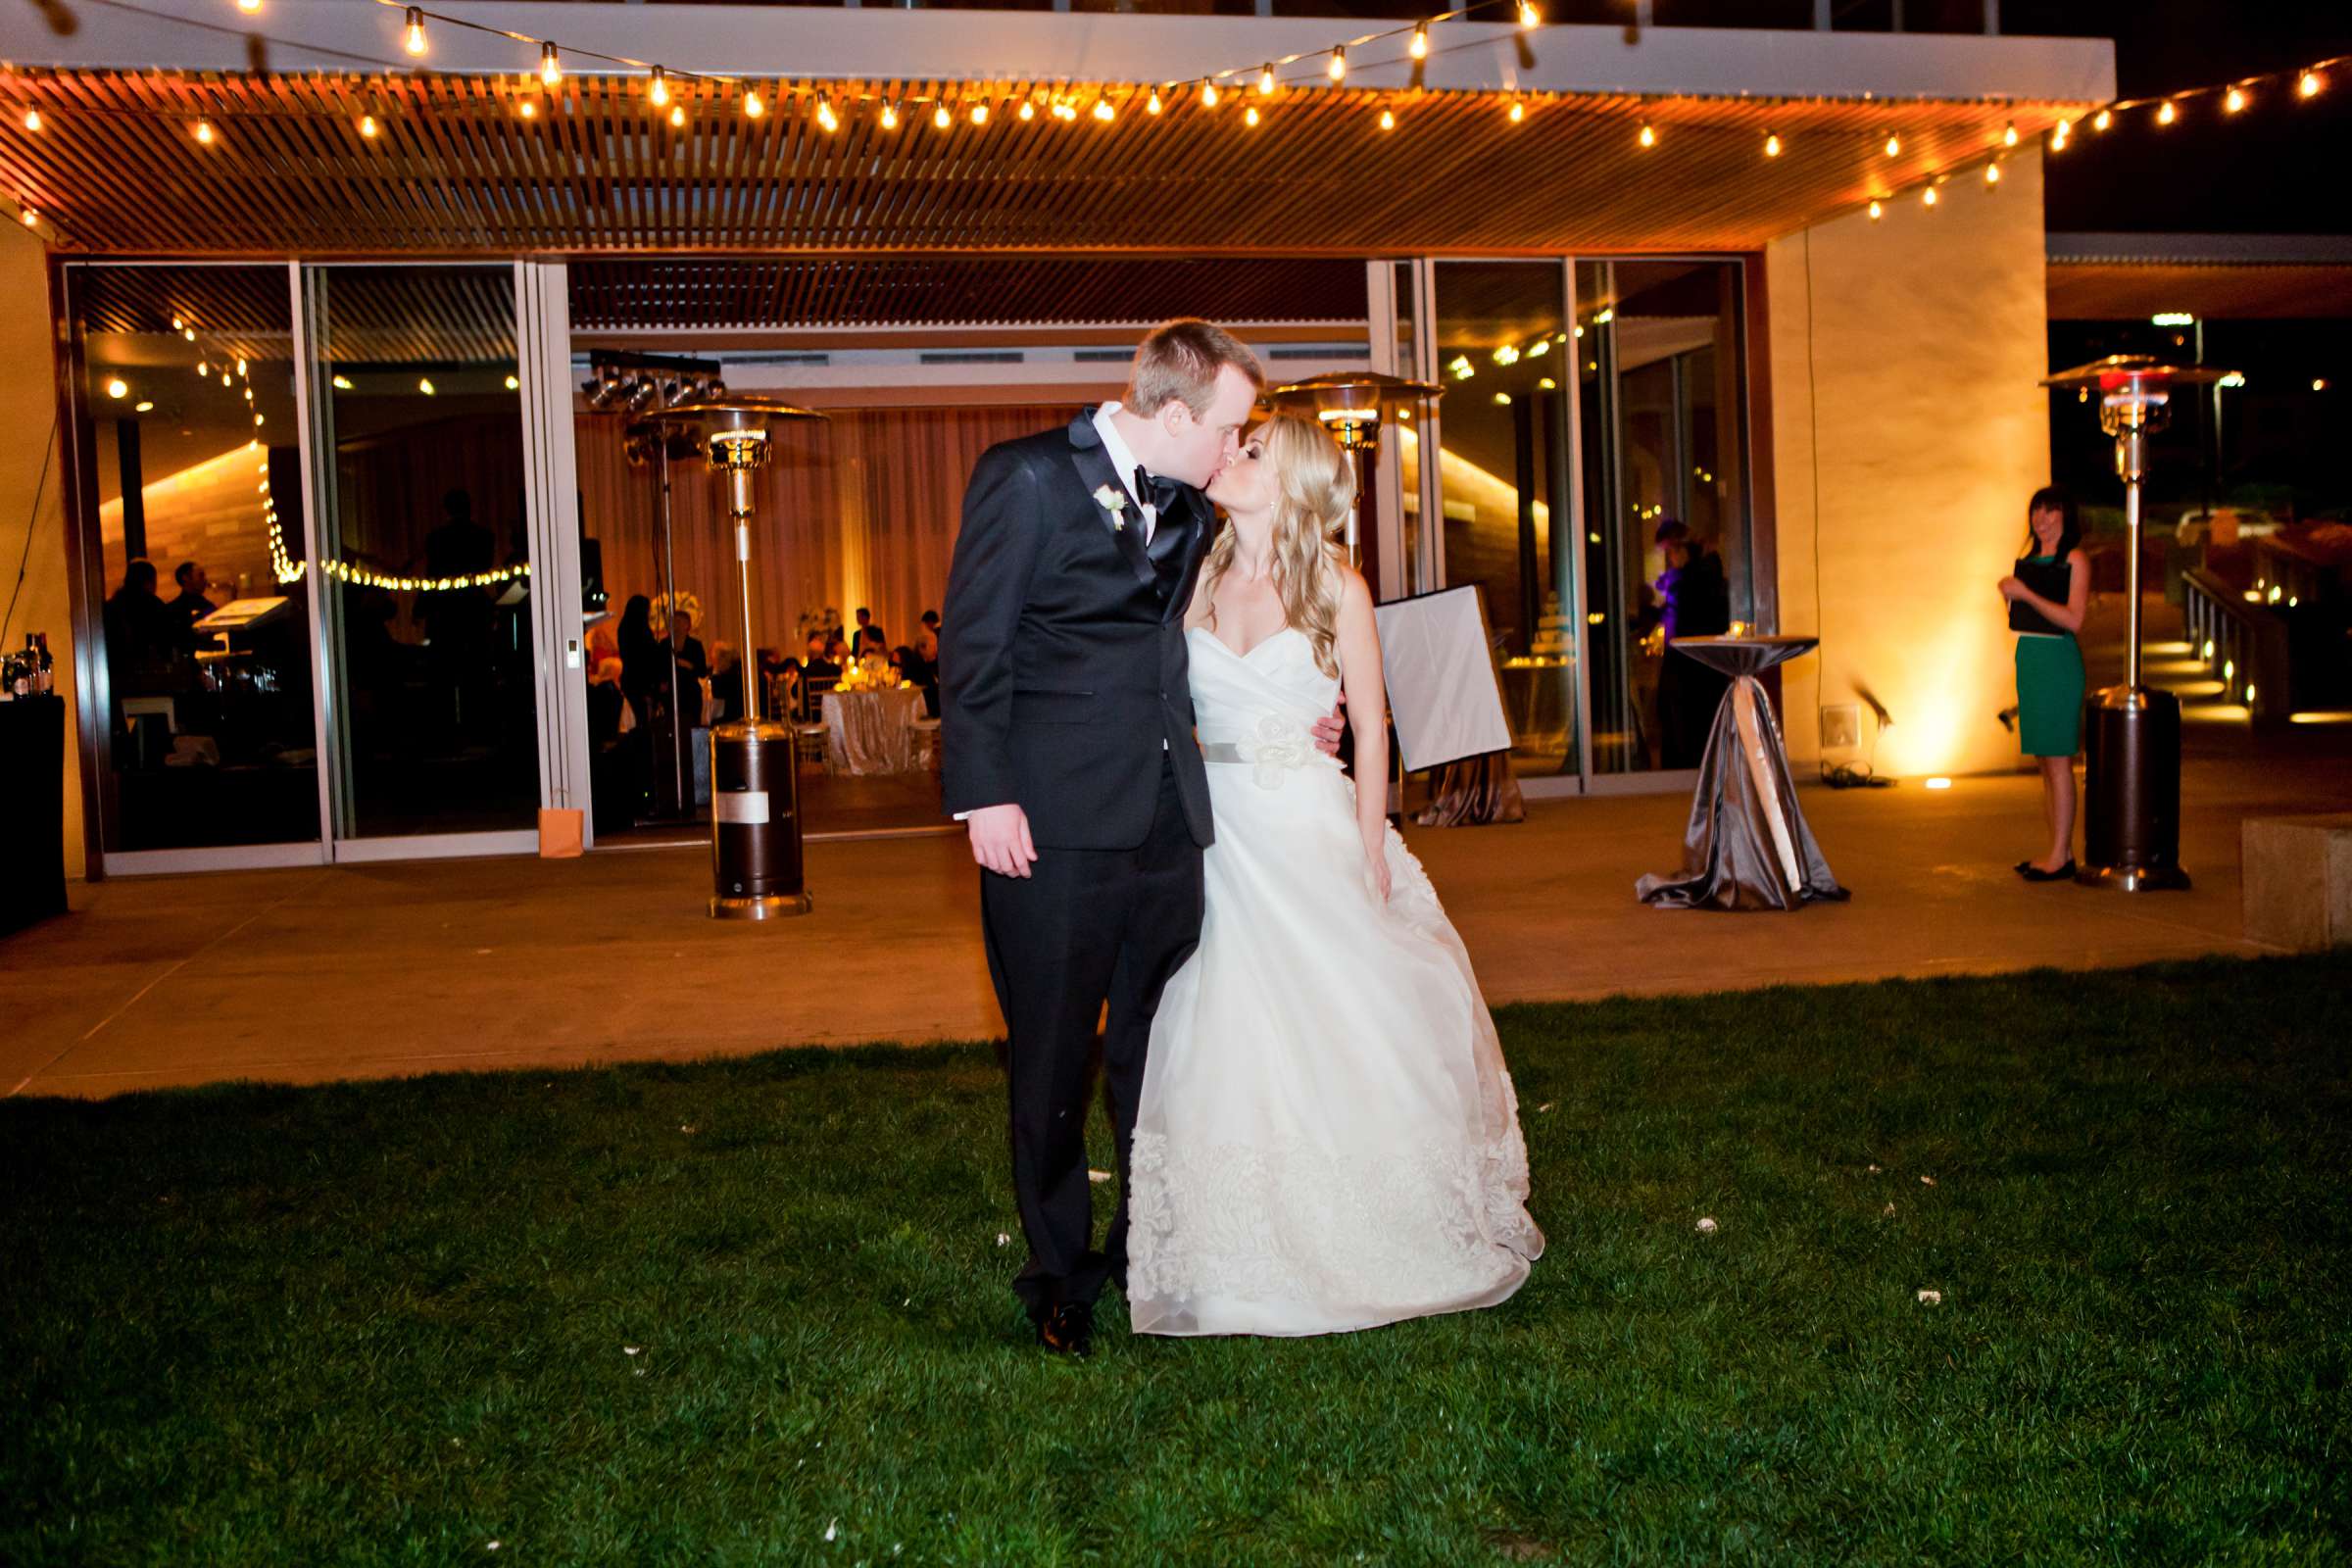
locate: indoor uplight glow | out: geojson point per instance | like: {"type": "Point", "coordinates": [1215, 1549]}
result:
{"type": "Point", "coordinates": [1939, 783]}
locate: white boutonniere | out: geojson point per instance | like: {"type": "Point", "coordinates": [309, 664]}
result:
{"type": "Point", "coordinates": [1111, 500]}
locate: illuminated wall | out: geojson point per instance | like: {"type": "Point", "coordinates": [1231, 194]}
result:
{"type": "Point", "coordinates": [1907, 431]}
{"type": "Point", "coordinates": [42, 606]}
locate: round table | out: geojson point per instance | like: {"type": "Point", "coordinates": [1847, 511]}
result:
{"type": "Point", "coordinates": [873, 732]}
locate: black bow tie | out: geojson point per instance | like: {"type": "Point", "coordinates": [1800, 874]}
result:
{"type": "Point", "coordinates": [1154, 491]}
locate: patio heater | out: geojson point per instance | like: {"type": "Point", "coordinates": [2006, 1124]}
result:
{"type": "Point", "coordinates": [1353, 406]}
{"type": "Point", "coordinates": [2132, 734]}
{"type": "Point", "coordinates": [755, 774]}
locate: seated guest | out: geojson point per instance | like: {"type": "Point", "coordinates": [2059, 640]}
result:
{"type": "Point", "coordinates": [693, 666]}
{"type": "Point", "coordinates": [819, 665]}
{"type": "Point", "coordinates": [871, 643]}
{"type": "Point", "coordinates": [190, 606]}
{"type": "Point", "coordinates": [865, 623]}
{"type": "Point", "coordinates": [922, 663]}
{"type": "Point", "coordinates": [726, 683]}
{"type": "Point", "coordinates": [791, 699]}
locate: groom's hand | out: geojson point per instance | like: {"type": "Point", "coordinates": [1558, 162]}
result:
{"type": "Point", "coordinates": [1001, 840]}
{"type": "Point", "coordinates": [1327, 729]}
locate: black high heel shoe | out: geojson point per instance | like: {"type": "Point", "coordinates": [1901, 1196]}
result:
{"type": "Point", "coordinates": [2065, 873]}
{"type": "Point", "coordinates": [2023, 866]}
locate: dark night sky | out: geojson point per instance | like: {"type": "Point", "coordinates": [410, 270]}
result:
{"type": "Point", "coordinates": [2278, 168]}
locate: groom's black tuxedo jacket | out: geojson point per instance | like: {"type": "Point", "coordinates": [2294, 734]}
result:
{"type": "Point", "coordinates": [1062, 676]}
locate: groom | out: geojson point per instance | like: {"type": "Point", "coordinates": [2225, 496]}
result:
{"type": "Point", "coordinates": [1066, 734]}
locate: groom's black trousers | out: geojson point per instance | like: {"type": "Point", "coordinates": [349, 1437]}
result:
{"type": "Point", "coordinates": [1084, 927]}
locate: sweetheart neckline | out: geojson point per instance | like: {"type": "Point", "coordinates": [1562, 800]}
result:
{"type": "Point", "coordinates": [1253, 647]}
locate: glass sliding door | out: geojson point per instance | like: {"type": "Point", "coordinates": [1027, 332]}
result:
{"type": "Point", "coordinates": [1502, 352]}
{"type": "Point", "coordinates": [417, 424]}
{"type": "Point", "coordinates": [1666, 544]}
{"type": "Point", "coordinates": [184, 431]}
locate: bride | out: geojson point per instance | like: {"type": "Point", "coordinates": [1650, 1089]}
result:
{"type": "Point", "coordinates": [1327, 1138]}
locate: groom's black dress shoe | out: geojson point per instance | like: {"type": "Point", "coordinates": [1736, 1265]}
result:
{"type": "Point", "coordinates": [1068, 1329]}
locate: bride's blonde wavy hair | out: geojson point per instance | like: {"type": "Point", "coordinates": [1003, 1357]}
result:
{"type": "Point", "coordinates": [1315, 485]}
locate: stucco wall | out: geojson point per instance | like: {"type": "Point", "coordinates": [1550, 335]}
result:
{"type": "Point", "coordinates": [24, 431]}
{"type": "Point", "coordinates": [1908, 430]}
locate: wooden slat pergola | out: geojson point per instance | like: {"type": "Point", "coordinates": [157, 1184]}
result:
{"type": "Point", "coordinates": [455, 169]}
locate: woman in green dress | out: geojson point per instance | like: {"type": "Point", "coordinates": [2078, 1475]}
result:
{"type": "Point", "coordinates": [2047, 593]}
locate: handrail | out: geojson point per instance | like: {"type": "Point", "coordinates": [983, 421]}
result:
{"type": "Point", "coordinates": [2242, 643]}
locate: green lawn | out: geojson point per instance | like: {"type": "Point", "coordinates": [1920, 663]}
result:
{"type": "Point", "coordinates": [754, 1311]}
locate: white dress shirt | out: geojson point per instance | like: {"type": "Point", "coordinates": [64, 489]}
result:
{"type": "Point", "coordinates": [1124, 464]}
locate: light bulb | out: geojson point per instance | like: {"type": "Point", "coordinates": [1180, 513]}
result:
{"type": "Point", "coordinates": [1209, 95]}
{"type": "Point", "coordinates": [1151, 105]}
{"type": "Point", "coordinates": [551, 70]}
{"type": "Point", "coordinates": [1028, 111]}
{"type": "Point", "coordinates": [1529, 16]}
{"type": "Point", "coordinates": [890, 117]}
{"type": "Point", "coordinates": [2310, 83]}
{"type": "Point", "coordinates": [1419, 48]}
{"type": "Point", "coordinates": [753, 106]}
{"type": "Point", "coordinates": [1387, 121]}
{"type": "Point", "coordinates": [1265, 81]}
{"type": "Point", "coordinates": [677, 116]}
{"type": "Point", "coordinates": [1337, 69]}
{"type": "Point", "coordinates": [1649, 137]}
{"type": "Point", "coordinates": [415, 38]}
{"type": "Point", "coordinates": [1993, 173]}
{"type": "Point", "coordinates": [656, 88]}
{"type": "Point", "coordinates": [1895, 146]}
{"type": "Point", "coordinates": [512, 385]}
{"type": "Point", "coordinates": [204, 369]}
{"type": "Point", "coordinates": [940, 118]}
{"type": "Point", "coordinates": [1877, 211]}
{"type": "Point", "coordinates": [979, 114]}
{"type": "Point", "coordinates": [1518, 111]}
{"type": "Point", "coordinates": [425, 386]}
{"type": "Point", "coordinates": [2165, 114]}
{"type": "Point", "coordinates": [1102, 110]}
{"type": "Point", "coordinates": [1251, 116]}
{"type": "Point", "coordinates": [368, 126]}
{"type": "Point", "coordinates": [117, 389]}
{"type": "Point", "coordinates": [824, 113]}
{"type": "Point", "coordinates": [1772, 146]}
{"type": "Point", "coordinates": [2234, 100]}
{"type": "Point", "coordinates": [1927, 198]}
{"type": "Point", "coordinates": [2009, 134]}
{"type": "Point", "coordinates": [249, 7]}
{"type": "Point", "coordinates": [204, 132]}
{"type": "Point", "coordinates": [179, 323]}
{"type": "Point", "coordinates": [32, 119]}
{"type": "Point", "coordinates": [2059, 134]}
{"type": "Point", "coordinates": [2101, 120]}
{"type": "Point", "coordinates": [529, 109]}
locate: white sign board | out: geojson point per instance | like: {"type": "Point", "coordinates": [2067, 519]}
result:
{"type": "Point", "coordinates": [1440, 675]}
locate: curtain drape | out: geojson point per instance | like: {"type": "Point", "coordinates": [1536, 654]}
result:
{"type": "Point", "coordinates": [860, 509]}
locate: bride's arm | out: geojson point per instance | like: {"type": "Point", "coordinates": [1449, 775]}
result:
{"type": "Point", "coordinates": [1358, 642]}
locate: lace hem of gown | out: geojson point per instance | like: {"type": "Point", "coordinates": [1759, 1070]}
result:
{"type": "Point", "coordinates": [1239, 1238]}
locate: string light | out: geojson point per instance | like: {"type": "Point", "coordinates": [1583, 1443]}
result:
{"type": "Point", "coordinates": [424, 384]}
{"type": "Point", "coordinates": [1419, 47]}
{"type": "Point", "coordinates": [513, 384]}
{"type": "Point", "coordinates": [1102, 110]}
{"type": "Point", "coordinates": [1895, 146]}
{"type": "Point", "coordinates": [2059, 134]}
{"type": "Point", "coordinates": [1877, 211]}
{"type": "Point", "coordinates": [1649, 137]}
{"type": "Point", "coordinates": [1772, 145]}
{"type": "Point", "coordinates": [940, 118]}
{"type": "Point", "coordinates": [890, 116]}
{"type": "Point", "coordinates": [2101, 120]}
{"type": "Point", "coordinates": [2310, 83]}
{"type": "Point", "coordinates": [1993, 173]}
{"type": "Point", "coordinates": [2009, 134]}
{"type": "Point", "coordinates": [28, 216]}
{"type": "Point", "coordinates": [551, 70]}
{"type": "Point", "coordinates": [979, 114]}
{"type": "Point", "coordinates": [32, 119]}
{"type": "Point", "coordinates": [2234, 101]}
{"type": "Point", "coordinates": [753, 106]}
{"type": "Point", "coordinates": [656, 88]}
{"type": "Point", "coordinates": [2165, 114]}
{"type": "Point", "coordinates": [824, 113]}
{"type": "Point", "coordinates": [368, 126]}
{"type": "Point", "coordinates": [1209, 95]}
{"type": "Point", "coordinates": [1529, 16]}
{"type": "Point", "coordinates": [415, 39]}
{"type": "Point", "coordinates": [204, 132]}
{"type": "Point", "coordinates": [1387, 121]}
{"type": "Point", "coordinates": [1518, 111]}
{"type": "Point", "coordinates": [1250, 117]}
{"type": "Point", "coordinates": [1338, 69]}
{"type": "Point", "coordinates": [1927, 198]}
{"type": "Point", "coordinates": [1028, 111]}
{"type": "Point", "coordinates": [1265, 81]}
{"type": "Point", "coordinates": [249, 7]}
{"type": "Point", "coordinates": [677, 116]}
{"type": "Point", "coordinates": [1152, 106]}
{"type": "Point", "coordinates": [530, 109]}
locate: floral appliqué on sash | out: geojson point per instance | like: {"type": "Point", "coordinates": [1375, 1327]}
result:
{"type": "Point", "coordinates": [1279, 749]}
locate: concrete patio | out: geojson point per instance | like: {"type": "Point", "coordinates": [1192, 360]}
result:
{"type": "Point", "coordinates": [377, 970]}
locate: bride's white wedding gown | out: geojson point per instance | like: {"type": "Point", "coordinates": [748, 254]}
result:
{"type": "Point", "coordinates": [1328, 1138]}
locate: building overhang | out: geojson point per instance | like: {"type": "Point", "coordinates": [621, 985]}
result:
{"type": "Point", "coordinates": [2116, 277]}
